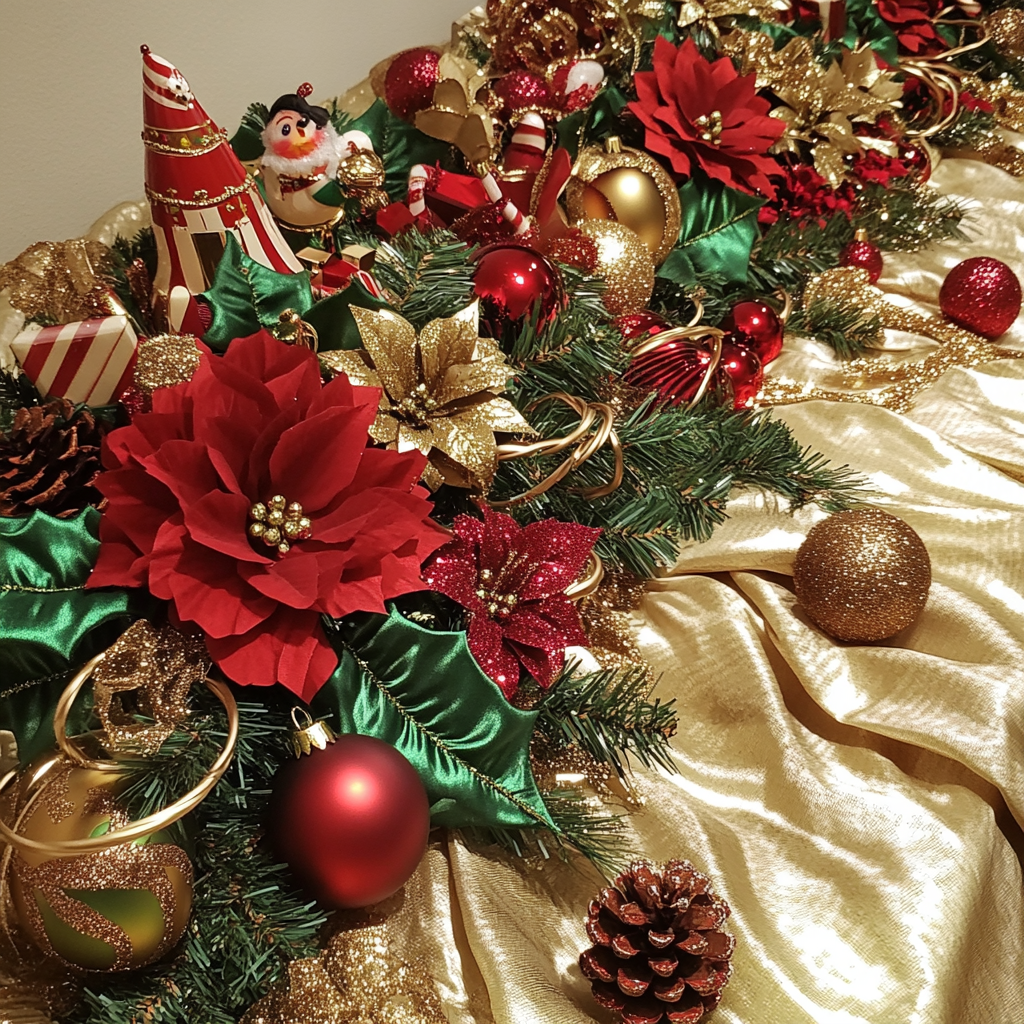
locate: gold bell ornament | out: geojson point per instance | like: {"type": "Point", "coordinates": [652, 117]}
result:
{"type": "Point", "coordinates": [618, 183]}
{"type": "Point", "coordinates": [88, 885]}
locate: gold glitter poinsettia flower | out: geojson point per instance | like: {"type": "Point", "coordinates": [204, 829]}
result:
{"type": "Point", "coordinates": [820, 105]}
{"type": "Point", "coordinates": [439, 392]}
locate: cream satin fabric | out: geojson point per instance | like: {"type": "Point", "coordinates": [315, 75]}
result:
{"type": "Point", "coordinates": [858, 806]}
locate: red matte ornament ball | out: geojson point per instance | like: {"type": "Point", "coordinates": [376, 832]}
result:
{"type": "Point", "coordinates": [982, 294]}
{"type": "Point", "coordinates": [351, 821]}
{"type": "Point", "coordinates": [741, 370]}
{"type": "Point", "coordinates": [410, 80]}
{"type": "Point", "coordinates": [637, 327]}
{"type": "Point", "coordinates": [864, 255]}
{"type": "Point", "coordinates": [755, 326]}
{"type": "Point", "coordinates": [511, 281]}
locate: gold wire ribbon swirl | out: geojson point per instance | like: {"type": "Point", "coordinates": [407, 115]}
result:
{"type": "Point", "coordinates": [693, 332]}
{"type": "Point", "coordinates": [595, 430]}
{"type": "Point", "coordinates": [146, 826]}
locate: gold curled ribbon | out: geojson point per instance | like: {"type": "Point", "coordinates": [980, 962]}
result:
{"type": "Point", "coordinates": [590, 582]}
{"type": "Point", "coordinates": [146, 826]}
{"type": "Point", "coordinates": [693, 332]}
{"type": "Point", "coordinates": [595, 429]}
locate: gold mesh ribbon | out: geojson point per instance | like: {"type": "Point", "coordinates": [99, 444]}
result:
{"type": "Point", "coordinates": [595, 430]}
{"type": "Point", "coordinates": [61, 282]}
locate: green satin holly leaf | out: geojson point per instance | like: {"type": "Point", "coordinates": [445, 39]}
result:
{"type": "Point", "coordinates": [865, 24]}
{"type": "Point", "coordinates": [422, 691]}
{"type": "Point", "coordinates": [399, 145]}
{"type": "Point", "coordinates": [332, 317]}
{"type": "Point", "coordinates": [246, 296]}
{"type": "Point", "coordinates": [718, 230]}
{"type": "Point", "coordinates": [48, 620]}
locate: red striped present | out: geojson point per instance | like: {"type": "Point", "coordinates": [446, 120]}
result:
{"type": "Point", "coordinates": [90, 361]}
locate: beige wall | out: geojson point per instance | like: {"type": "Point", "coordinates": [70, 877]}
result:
{"type": "Point", "coordinates": [71, 92]}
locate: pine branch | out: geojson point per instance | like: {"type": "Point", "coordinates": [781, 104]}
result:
{"type": "Point", "coordinates": [610, 715]}
{"type": "Point", "coordinates": [247, 921]}
{"type": "Point", "coordinates": [843, 327]}
{"type": "Point", "coordinates": [16, 392]}
{"type": "Point", "coordinates": [970, 128]}
{"type": "Point", "coordinates": [256, 117]}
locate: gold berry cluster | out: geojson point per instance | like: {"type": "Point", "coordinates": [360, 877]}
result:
{"type": "Point", "coordinates": [279, 524]}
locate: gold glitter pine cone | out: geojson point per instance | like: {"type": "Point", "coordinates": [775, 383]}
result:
{"type": "Point", "coordinates": [659, 951]}
{"type": "Point", "coordinates": [862, 576]}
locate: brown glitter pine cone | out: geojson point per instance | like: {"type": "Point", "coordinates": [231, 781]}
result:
{"type": "Point", "coordinates": [49, 460]}
{"type": "Point", "coordinates": [659, 952]}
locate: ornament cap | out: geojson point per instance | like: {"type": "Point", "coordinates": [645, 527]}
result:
{"type": "Point", "coordinates": [309, 734]}
{"type": "Point", "coordinates": [860, 235]}
{"type": "Point", "coordinates": [613, 144]}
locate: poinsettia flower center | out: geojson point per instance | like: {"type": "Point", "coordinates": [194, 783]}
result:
{"type": "Point", "coordinates": [711, 127]}
{"type": "Point", "coordinates": [279, 523]}
{"type": "Point", "coordinates": [418, 406]}
{"type": "Point", "coordinates": [499, 605]}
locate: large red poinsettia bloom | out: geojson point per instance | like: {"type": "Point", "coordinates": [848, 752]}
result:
{"type": "Point", "coordinates": [181, 481]}
{"type": "Point", "coordinates": [912, 22]}
{"type": "Point", "coordinates": [512, 581]}
{"type": "Point", "coordinates": [701, 113]}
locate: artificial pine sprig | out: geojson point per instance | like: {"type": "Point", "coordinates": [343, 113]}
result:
{"type": "Point", "coordinates": [841, 326]}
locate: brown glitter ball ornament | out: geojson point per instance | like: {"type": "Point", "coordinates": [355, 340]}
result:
{"type": "Point", "coordinates": [862, 576]}
{"type": "Point", "coordinates": [659, 953]}
{"type": "Point", "coordinates": [49, 460]}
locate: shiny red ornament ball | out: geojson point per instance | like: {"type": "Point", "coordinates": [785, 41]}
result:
{"type": "Point", "coordinates": [410, 80]}
{"type": "Point", "coordinates": [513, 280]}
{"type": "Point", "coordinates": [637, 327]}
{"type": "Point", "coordinates": [351, 821]}
{"type": "Point", "coordinates": [917, 160]}
{"type": "Point", "coordinates": [740, 370]}
{"type": "Point", "coordinates": [755, 326]}
{"type": "Point", "coordinates": [864, 255]}
{"type": "Point", "coordinates": [981, 294]}
{"type": "Point", "coordinates": [674, 371]}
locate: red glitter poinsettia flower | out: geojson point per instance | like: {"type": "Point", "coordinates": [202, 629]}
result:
{"type": "Point", "coordinates": [182, 481]}
{"type": "Point", "coordinates": [512, 580]}
{"type": "Point", "coordinates": [706, 114]}
{"type": "Point", "coordinates": [804, 195]}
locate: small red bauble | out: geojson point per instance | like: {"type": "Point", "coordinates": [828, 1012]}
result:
{"type": "Point", "coordinates": [981, 294]}
{"type": "Point", "coordinates": [637, 327]}
{"type": "Point", "coordinates": [351, 821]}
{"type": "Point", "coordinates": [520, 91]}
{"type": "Point", "coordinates": [674, 370]}
{"type": "Point", "coordinates": [756, 326]}
{"type": "Point", "coordinates": [917, 160]}
{"type": "Point", "coordinates": [410, 80]}
{"type": "Point", "coordinates": [741, 370]}
{"type": "Point", "coordinates": [510, 281]}
{"type": "Point", "coordinates": [865, 255]}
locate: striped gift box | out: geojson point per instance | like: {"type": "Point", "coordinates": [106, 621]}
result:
{"type": "Point", "coordinates": [90, 361]}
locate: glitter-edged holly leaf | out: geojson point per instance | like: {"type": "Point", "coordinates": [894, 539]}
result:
{"type": "Point", "coordinates": [47, 619]}
{"type": "Point", "coordinates": [422, 691]}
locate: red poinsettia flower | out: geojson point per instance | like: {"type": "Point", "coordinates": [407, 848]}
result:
{"type": "Point", "coordinates": [912, 22]}
{"type": "Point", "coordinates": [804, 195]}
{"type": "Point", "coordinates": [706, 114]}
{"type": "Point", "coordinates": [512, 581]}
{"type": "Point", "coordinates": [181, 484]}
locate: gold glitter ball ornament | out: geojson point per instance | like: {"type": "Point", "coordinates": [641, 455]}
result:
{"type": "Point", "coordinates": [165, 360]}
{"type": "Point", "coordinates": [116, 910]}
{"type": "Point", "coordinates": [862, 576]}
{"type": "Point", "coordinates": [625, 263]}
{"type": "Point", "coordinates": [618, 183]}
{"type": "Point", "coordinates": [1006, 27]}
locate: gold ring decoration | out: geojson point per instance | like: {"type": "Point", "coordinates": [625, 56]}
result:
{"type": "Point", "coordinates": [942, 82]}
{"type": "Point", "coordinates": [146, 826]}
{"type": "Point", "coordinates": [595, 429]}
{"type": "Point", "coordinates": [787, 305]}
{"type": "Point", "coordinates": [587, 584]}
{"type": "Point", "coordinates": [693, 333]}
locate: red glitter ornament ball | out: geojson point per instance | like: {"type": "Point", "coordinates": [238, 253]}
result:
{"type": "Point", "coordinates": [865, 255]}
{"type": "Point", "coordinates": [981, 294]}
{"type": "Point", "coordinates": [351, 821]}
{"type": "Point", "coordinates": [674, 370]}
{"type": "Point", "coordinates": [519, 91]}
{"type": "Point", "coordinates": [740, 369]}
{"type": "Point", "coordinates": [410, 80]}
{"type": "Point", "coordinates": [511, 281]}
{"type": "Point", "coordinates": [637, 327]}
{"type": "Point", "coordinates": [756, 326]}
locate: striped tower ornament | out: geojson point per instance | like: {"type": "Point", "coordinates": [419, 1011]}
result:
{"type": "Point", "coordinates": [90, 361]}
{"type": "Point", "coordinates": [198, 190]}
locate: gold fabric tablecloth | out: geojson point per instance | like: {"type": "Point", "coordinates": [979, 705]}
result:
{"type": "Point", "coordinates": [860, 807]}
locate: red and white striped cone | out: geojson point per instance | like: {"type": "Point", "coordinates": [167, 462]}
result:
{"type": "Point", "coordinates": [90, 361]}
{"type": "Point", "coordinates": [417, 194]}
{"type": "Point", "coordinates": [509, 211]}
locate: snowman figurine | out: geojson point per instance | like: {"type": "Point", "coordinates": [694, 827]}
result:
{"type": "Point", "coordinates": [299, 166]}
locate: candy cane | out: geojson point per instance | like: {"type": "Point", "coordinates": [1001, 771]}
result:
{"type": "Point", "coordinates": [509, 211]}
{"type": "Point", "coordinates": [417, 195]}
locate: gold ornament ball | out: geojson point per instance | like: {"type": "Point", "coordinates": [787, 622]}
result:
{"type": "Point", "coordinates": [862, 576]}
{"type": "Point", "coordinates": [618, 183]}
{"type": "Point", "coordinates": [112, 911]}
{"type": "Point", "coordinates": [625, 264]}
{"type": "Point", "coordinates": [1006, 27]}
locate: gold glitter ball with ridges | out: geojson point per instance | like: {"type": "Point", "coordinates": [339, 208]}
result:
{"type": "Point", "coordinates": [862, 576]}
{"type": "Point", "coordinates": [279, 523]}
